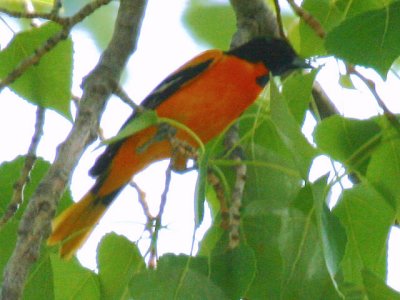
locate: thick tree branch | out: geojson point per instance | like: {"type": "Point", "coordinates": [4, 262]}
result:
{"type": "Point", "coordinates": [253, 18]}
{"type": "Point", "coordinates": [97, 87]}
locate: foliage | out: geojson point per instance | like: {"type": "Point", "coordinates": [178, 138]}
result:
{"type": "Point", "coordinates": [294, 244]}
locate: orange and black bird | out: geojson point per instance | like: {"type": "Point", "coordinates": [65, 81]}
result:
{"type": "Point", "coordinates": [206, 94]}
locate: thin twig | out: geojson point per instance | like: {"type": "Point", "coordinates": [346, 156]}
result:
{"type": "Point", "coordinates": [150, 220]}
{"type": "Point", "coordinates": [279, 19]}
{"type": "Point", "coordinates": [57, 4]}
{"type": "Point", "coordinates": [127, 100]}
{"type": "Point", "coordinates": [142, 200]}
{"type": "Point", "coordinates": [158, 224]}
{"type": "Point", "coordinates": [51, 42]}
{"type": "Point", "coordinates": [372, 88]}
{"type": "Point", "coordinates": [76, 100]}
{"type": "Point", "coordinates": [34, 58]}
{"type": "Point", "coordinates": [85, 11]}
{"type": "Point", "coordinates": [8, 26]}
{"type": "Point", "coordinates": [34, 15]}
{"type": "Point", "coordinates": [308, 19]}
{"type": "Point", "coordinates": [19, 185]}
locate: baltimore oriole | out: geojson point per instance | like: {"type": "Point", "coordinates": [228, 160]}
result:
{"type": "Point", "coordinates": [206, 94]}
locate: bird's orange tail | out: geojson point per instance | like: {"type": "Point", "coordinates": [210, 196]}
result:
{"type": "Point", "coordinates": [74, 225]}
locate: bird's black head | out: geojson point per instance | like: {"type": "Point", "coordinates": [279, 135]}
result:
{"type": "Point", "coordinates": [277, 55]}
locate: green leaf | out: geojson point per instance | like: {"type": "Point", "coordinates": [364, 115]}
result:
{"type": "Point", "coordinates": [118, 260]}
{"type": "Point", "coordinates": [176, 277]}
{"type": "Point", "coordinates": [270, 162]}
{"type": "Point", "coordinates": [261, 229]}
{"type": "Point", "coordinates": [346, 82]}
{"type": "Point", "coordinates": [303, 244]}
{"type": "Point", "coordinates": [377, 46]}
{"type": "Point", "coordinates": [39, 284]}
{"type": "Point", "coordinates": [349, 141]}
{"type": "Point", "coordinates": [54, 278]}
{"type": "Point", "coordinates": [138, 123]}
{"type": "Point", "coordinates": [8, 239]}
{"type": "Point", "coordinates": [290, 131]}
{"type": "Point", "coordinates": [20, 5]}
{"type": "Point", "coordinates": [200, 192]}
{"type": "Point", "coordinates": [297, 91]}
{"type": "Point", "coordinates": [72, 281]}
{"type": "Point", "coordinates": [234, 271]}
{"type": "Point", "coordinates": [48, 83]}
{"type": "Point", "coordinates": [210, 240]}
{"type": "Point", "coordinates": [377, 289]}
{"type": "Point", "coordinates": [332, 234]}
{"type": "Point", "coordinates": [266, 177]}
{"type": "Point", "coordinates": [330, 14]}
{"type": "Point", "coordinates": [104, 15]}
{"type": "Point", "coordinates": [289, 258]}
{"type": "Point", "coordinates": [384, 170]}
{"type": "Point", "coordinates": [210, 23]}
{"type": "Point", "coordinates": [355, 7]}
{"type": "Point", "coordinates": [10, 173]}
{"type": "Point", "coordinates": [326, 12]}
{"type": "Point", "coordinates": [367, 218]}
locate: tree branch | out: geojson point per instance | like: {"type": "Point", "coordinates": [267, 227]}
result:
{"type": "Point", "coordinates": [309, 19]}
{"type": "Point", "coordinates": [51, 42]}
{"type": "Point", "coordinates": [19, 185]}
{"type": "Point", "coordinates": [391, 117]}
{"type": "Point", "coordinates": [253, 18]}
{"type": "Point", "coordinates": [97, 87]}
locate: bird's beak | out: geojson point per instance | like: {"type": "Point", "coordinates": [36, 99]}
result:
{"type": "Point", "coordinates": [300, 63]}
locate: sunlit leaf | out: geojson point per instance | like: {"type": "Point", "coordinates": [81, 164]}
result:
{"type": "Point", "coordinates": [176, 277]}
{"type": "Point", "coordinates": [290, 131]}
{"type": "Point", "coordinates": [328, 15]}
{"type": "Point", "coordinates": [349, 141]}
{"type": "Point", "coordinates": [71, 279]}
{"type": "Point", "coordinates": [47, 83]}
{"type": "Point", "coordinates": [118, 260]}
{"type": "Point", "coordinates": [367, 218]}
{"type": "Point", "coordinates": [234, 271]}
{"type": "Point", "coordinates": [210, 23]}
{"type": "Point", "coordinates": [20, 5]}
{"type": "Point", "coordinates": [376, 288]}
{"type": "Point", "coordinates": [346, 82]}
{"type": "Point", "coordinates": [297, 92]}
{"type": "Point", "coordinates": [377, 46]}
{"type": "Point", "coordinates": [140, 122]}
{"type": "Point", "coordinates": [384, 170]}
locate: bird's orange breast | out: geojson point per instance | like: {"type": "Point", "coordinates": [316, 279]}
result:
{"type": "Point", "coordinates": [210, 103]}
